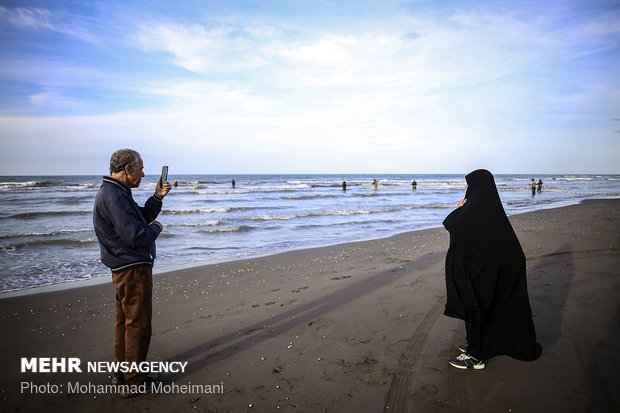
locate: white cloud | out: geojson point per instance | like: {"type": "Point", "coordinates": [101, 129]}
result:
{"type": "Point", "coordinates": [53, 99]}
{"type": "Point", "coordinates": [31, 18]}
{"type": "Point", "coordinates": [329, 51]}
{"type": "Point", "coordinates": [415, 54]}
{"type": "Point", "coordinates": [360, 92]}
{"type": "Point", "coordinates": [200, 50]}
{"type": "Point", "coordinates": [58, 21]}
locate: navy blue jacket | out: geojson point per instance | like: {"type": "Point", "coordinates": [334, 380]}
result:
{"type": "Point", "coordinates": [124, 229]}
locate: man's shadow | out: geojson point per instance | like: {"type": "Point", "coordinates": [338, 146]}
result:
{"type": "Point", "coordinates": [235, 342]}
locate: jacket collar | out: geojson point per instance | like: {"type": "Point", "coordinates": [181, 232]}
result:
{"type": "Point", "coordinates": [113, 181]}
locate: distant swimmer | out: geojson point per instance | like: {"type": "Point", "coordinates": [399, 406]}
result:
{"type": "Point", "coordinates": [375, 183]}
{"type": "Point", "coordinates": [176, 183]}
{"type": "Point", "coordinates": [344, 185]}
{"type": "Point", "coordinates": [233, 183]}
{"type": "Point", "coordinates": [533, 185]}
{"type": "Point", "coordinates": [414, 184]}
{"type": "Point", "coordinates": [539, 185]}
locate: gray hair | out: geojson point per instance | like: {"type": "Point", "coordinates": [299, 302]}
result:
{"type": "Point", "coordinates": [123, 157]}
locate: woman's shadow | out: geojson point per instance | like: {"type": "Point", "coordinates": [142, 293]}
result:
{"type": "Point", "coordinates": [550, 280]}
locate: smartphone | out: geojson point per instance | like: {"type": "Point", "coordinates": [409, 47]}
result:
{"type": "Point", "coordinates": [164, 174]}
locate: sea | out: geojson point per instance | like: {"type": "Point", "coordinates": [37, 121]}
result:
{"type": "Point", "coordinates": [47, 236]}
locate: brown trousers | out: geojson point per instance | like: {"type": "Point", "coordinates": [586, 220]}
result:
{"type": "Point", "coordinates": [134, 303]}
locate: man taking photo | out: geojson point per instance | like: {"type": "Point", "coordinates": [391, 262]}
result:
{"type": "Point", "coordinates": [127, 234]}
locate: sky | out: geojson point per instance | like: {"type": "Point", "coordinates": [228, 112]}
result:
{"type": "Point", "coordinates": [242, 87]}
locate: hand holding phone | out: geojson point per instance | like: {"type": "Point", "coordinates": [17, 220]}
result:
{"type": "Point", "coordinates": [163, 187]}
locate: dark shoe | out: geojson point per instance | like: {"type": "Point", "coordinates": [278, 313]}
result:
{"type": "Point", "coordinates": [118, 379]}
{"type": "Point", "coordinates": [130, 391]}
{"type": "Point", "coordinates": [466, 361]}
{"type": "Point", "coordinates": [463, 348]}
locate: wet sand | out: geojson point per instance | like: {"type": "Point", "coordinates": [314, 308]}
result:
{"type": "Point", "coordinates": [350, 327]}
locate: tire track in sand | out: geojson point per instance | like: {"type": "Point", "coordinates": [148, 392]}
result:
{"type": "Point", "coordinates": [397, 394]}
{"type": "Point", "coordinates": [458, 392]}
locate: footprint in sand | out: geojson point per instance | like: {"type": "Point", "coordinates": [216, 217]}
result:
{"type": "Point", "coordinates": [364, 336]}
{"type": "Point", "coordinates": [430, 389]}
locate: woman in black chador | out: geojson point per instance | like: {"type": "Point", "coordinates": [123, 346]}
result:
{"type": "Point", "coordinates": [485, 278]}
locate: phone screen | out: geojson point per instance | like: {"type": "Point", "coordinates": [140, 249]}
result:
{"type": "Point", "coordinates": [164, 174]}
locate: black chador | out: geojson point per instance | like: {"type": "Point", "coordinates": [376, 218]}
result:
{"type": "Point", "coordinates": [485, 276]}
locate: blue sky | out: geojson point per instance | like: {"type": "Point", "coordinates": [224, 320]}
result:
{"type": "Point", "coordinates": [311, 86]}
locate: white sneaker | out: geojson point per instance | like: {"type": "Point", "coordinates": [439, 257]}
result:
{"type": "Point", "coordinates": [466, 361]}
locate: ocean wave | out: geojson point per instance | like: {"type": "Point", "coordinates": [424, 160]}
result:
{"type": "Point", "coordinates": [17, 185]}
{"type": "Point", "coordinates": [438, 206]}
{"type": "Point", "coordinates": [203, 191]}
{"type": "Point", "coordinates": [311, 214]}
{"type": "Point", "coordinates": [239, 189]}
{"type": "Point", "coordinates": [193, 211]}
{"type": "Point", "coordinates": [282, 187]}
{"type": "Point", "coordinates": [211, 223]}
{"type": "Point", "coordinates": [515, 203]}
{"type": "Point", "coordinates": [203, 248]}
{"type": "Point", "coordinates": [571, 178]}
{"type": "Point", "coordinates": [192, 192]}
{"type": "Point", "coordinates": [46, 234]}
{"type": "Point", "coordinates": [81, 187]}
{"type": "Point", "coordinates": [265, 218]}
{"type": "Point", "coordinates": [36, 214]}
{"type": "Point", "coordinates": [344, 213]}
{"type": "Point", "coordinates": [299, 182]}
{"type": "Point", "coordinates": [304, 197]}
{"type": "Point", "coordinates": [46, 183]}
{"type": "Point", "coordinates": [238, 228]}
{"type": "Point", "coordinates": [301, 197]}
{"type": "Point", "coordinates": [327, 185]}
{"type": "Point", "coordinates": [47, 242]}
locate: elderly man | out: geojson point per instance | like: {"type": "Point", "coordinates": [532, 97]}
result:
{"type": "Point", "coordinates": [127, 234]}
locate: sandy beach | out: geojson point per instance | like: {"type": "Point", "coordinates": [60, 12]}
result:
{"type": "Point", "coordinates": [349, 327]}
